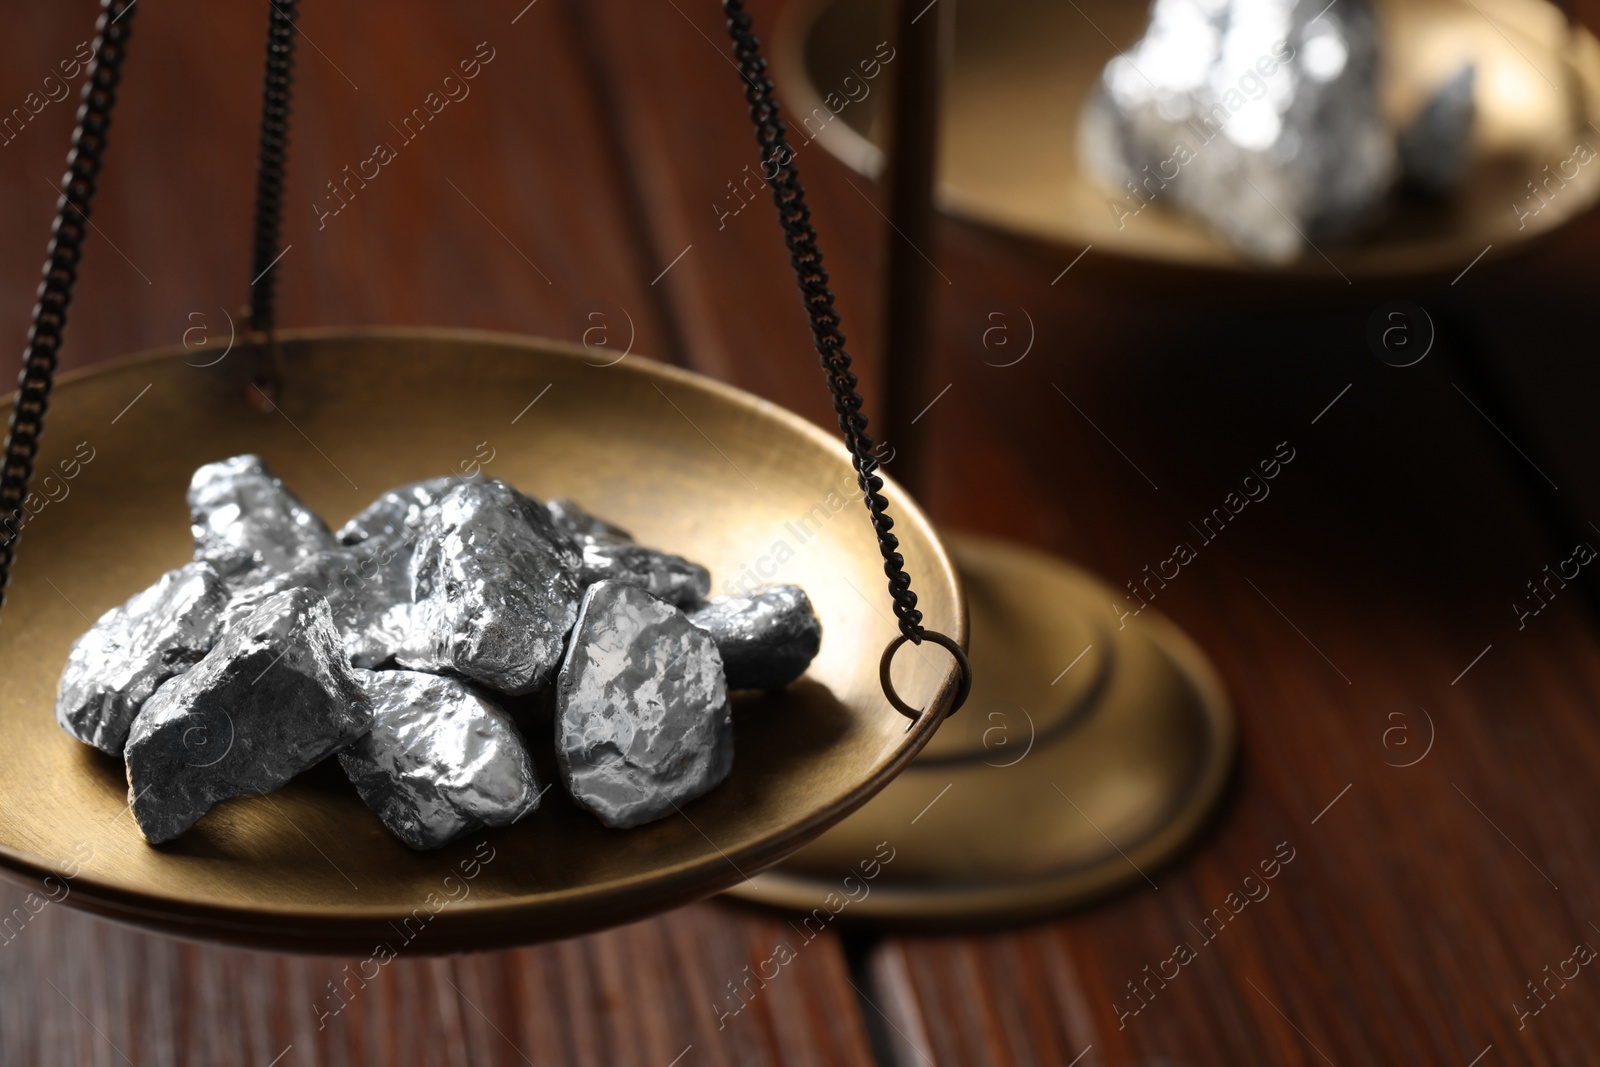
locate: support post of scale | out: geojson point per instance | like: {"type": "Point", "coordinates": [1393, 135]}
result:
{"type": "Point", "coordinates": [910, 168]}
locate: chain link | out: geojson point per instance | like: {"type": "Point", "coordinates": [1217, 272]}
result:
{"type": "Point", "coordinates": [272, 159]}
{"type": "Point", "coordinates": [78, 188]}
{"type": "Point", "coordinates": [39, 360]}
{"type": "Point", "coordinates": [778, 169]}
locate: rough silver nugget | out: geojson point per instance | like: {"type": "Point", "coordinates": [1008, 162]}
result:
{"type": "Point", "coordinates": [642, 716]}
{"type": "Point", "coordinates": [495, 584]}
{"type": "Point", "coordinates": [114, 667]}
{"type": "Point", "coordinates": [396, 516]}
{"type": "Point", "coordinates": [382, 620]}
{"type": "Point", "coordinates": [1261, 117]}
{"type": "Point", "coordinates": [369, 594]}
{"type": "Point", "coordinates": [672, 578]}
{"type": "Point", "coordinates": [272, 698]}
{"type": "Point", "coordinates": [766, 640]}
{"type": "Point", "coordinates": [247, 524]}
{"type": "Point", "coordinates": [440, 761]}
{"type": "Point", "coordinates": [569, 516]}
{"type": "Point", "coordinates": [609, 554]}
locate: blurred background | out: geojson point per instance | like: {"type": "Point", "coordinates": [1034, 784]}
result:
{"type": "Point", "coordinates": [1086, 400]}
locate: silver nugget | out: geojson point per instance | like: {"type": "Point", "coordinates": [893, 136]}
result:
{"type": "Point", "coordinates": [766, 640]}
{"type": "Point", "coordinates": [642, 717]}
{"type": "Point", "coordinates": [369, 594]}
{"type": "Point", "coordinates": [569, 516]}
{"type": "Point", "coordinates": [672, 578]}
{"type": "Point", "coordinates": [609, 554]}
{"type": "Point", "coordinates": [114, 667]}
{"type": "Point", "coordinates": [495, 586]}
{"type": "Point", "coordinates": [440, 761]}
{"type": "Point", "coordinates": [275, 696]}
{"type": "Point", "coordinates": [381, 620]}
{"type": "Point", "coordinates": [1263, 118]}
{"type": "Point", "coordinates": [247, 524]}
{"type": "Point", "coordinates": [396, 516]}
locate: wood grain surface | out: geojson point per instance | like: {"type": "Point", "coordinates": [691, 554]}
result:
{"type": "Point", "coordinates": [1362, 614]}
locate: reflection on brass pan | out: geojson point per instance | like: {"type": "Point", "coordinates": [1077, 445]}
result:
{"type": "Point", "coordinates": [1022, 69]}
{"type": "Point", "coordinates": [1088, 755]}
{"type": "Point", "coordinates": [678, 460]}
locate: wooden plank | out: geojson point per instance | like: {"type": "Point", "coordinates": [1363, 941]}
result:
{"type": "Point", "coordinates": [83, 991]}
{"type": "Point", "coordinates": [507, 211]}
{"type": "Point", "coordinates": [695, 163]}
{"type": "Point", "coordinates": [1379, 577]}
{"type": "Point", "coordinates": [504, 211]}
{"type": "Point", "coordinates": [1387, 561]}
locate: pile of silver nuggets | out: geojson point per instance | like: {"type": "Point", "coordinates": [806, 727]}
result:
{"type": "Point", "coordinates": [390, 642]}
{"type": "Point", "coordinates": [1265, 120]}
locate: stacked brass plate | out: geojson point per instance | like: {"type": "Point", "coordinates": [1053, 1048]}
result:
{"type": "Point", "coordinates": [1021, 70]}
{"type": "Point", "coordinates": [1095, 745]}
{"type": "Point", "coordinates": [685, 463]}
{"type": "Point", "coordinates": [1092, 748]}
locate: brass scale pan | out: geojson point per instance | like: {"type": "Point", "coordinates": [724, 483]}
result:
{"type": "Point", "coordinates": [1020, 70]}
{"type": "Point", "coordinates": [309, 867]}
{"type": "Point", "coordinates": [694, 466]}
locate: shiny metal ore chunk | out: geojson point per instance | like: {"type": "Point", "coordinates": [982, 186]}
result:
{"type": "Point", "coordinates": [569, 516]}
{"type": "Point", "coordinates": [440, 761]}
{"type": "Point", "coordinates": [273, 697]}
{"type": "Point", "coordinates": [247, 525]}
{"type": "Point", "coordinates": [396, 516]}
{"type": "Point", "coordinates": [672, 578]}
{"type": "Point", "coordinates": [495, 586]}
{"type": "Point", "coordinates": [372, 602]}
{"type": "Point", "coordinates": [132, 649]}
{"type": "Point", "coordinates": [766, 640]}
{"type": "Point", "coordinates": [380, 620]}
{"type": "Point", "coordinates": [1260, 117]}
{"type": "Point", "coordinates": [609, 554]}
{"type": "Point", "coordinates": [384, 636]}
{"type": "Point", "coordinates": [642, 716]}
{"type": "Point", "coordinates": [368, 588]}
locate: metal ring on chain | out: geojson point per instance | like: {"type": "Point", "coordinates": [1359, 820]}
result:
{"type": "Point", "coordinates": [778, 169]}
{"type": "Point", "coordinates": [963, 687]}
{"type": "Point", "coordinates": [39, 361]}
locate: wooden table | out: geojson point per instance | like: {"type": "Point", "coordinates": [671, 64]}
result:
{"type": "Point", "coordinates": [1361, 616]}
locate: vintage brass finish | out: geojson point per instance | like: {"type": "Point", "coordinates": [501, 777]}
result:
{"type": "Point", "coordinates": [685, 463]}
{"type": "Point", "coordinates": [1088, 754]}
{"type": "Point", "coordinates": [1022, 68]}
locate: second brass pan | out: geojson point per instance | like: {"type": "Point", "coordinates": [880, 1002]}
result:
{"type": "Point", "coordinates": [1021, 70]}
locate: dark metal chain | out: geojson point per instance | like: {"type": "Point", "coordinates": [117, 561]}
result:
{"type": "Point", "coordinates": [272, 159]}
{"type": "Point", "coordinates": [779, 170]}
{"type": "Point", "coordinates": [60, 273]}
